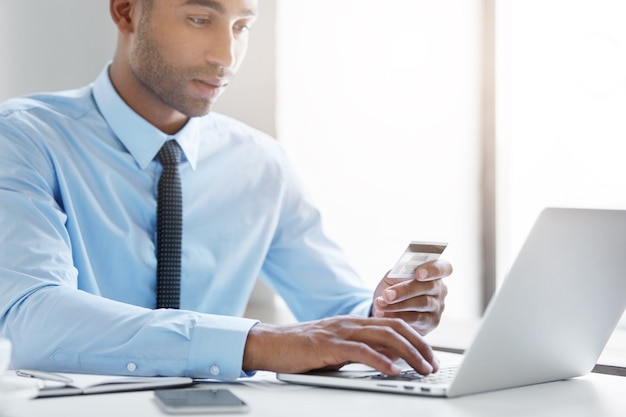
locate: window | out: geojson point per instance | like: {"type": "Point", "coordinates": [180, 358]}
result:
{"type": "Point", "coordinates": [379, 109]}
{"type": "Point", "coordinates": [561, 98]}
{"type": "Point", "coordinates": [561, 69]}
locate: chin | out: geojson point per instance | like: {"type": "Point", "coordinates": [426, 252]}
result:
{"type": "Point", "coordinates": [197, 111]}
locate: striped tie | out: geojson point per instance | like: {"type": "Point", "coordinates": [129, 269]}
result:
{"type": "Point", "coordinates": [169, 227]}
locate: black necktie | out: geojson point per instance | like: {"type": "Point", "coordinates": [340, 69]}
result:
{"type": "Point", "coordinates": [169, 227]}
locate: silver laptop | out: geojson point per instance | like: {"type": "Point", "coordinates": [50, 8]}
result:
{"type": "Point", "coordinates": [550, 319]}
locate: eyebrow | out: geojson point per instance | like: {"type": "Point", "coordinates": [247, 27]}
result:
{"type": "Point", "coordinates": [217, 6]}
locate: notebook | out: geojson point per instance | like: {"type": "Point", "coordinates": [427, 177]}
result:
{"type": "Point", "coordinates": [550, 319]}
{"type": "Point", "coordinates": [62, 384]}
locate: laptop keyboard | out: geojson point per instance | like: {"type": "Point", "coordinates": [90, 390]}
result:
{"type": "Point", "coordinates": [443, 376]}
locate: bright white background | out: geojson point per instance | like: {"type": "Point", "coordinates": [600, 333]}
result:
{"type": "Point", "coordinates": [561, 112]}
{"type": "Point", "coordinates": [378, 107]}
{"type": "Point", "coordinates": [561, 136]}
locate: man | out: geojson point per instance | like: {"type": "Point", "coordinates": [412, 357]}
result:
{"type": "Point", "coordinates": [78, 190]}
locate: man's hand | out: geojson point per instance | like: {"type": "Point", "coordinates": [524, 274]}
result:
{"type": "Point", "coordinates": [419, 301]}
{"type": "Point", "coordinates": [333, 342]}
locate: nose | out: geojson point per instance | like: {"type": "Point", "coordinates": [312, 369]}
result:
{"type": "Point", "coordinates": [224, 49]}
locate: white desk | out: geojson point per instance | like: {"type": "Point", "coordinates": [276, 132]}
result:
{"type": "Point", "coordinates": [592, 395]}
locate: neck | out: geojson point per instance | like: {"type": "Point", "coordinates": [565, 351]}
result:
{"type": "Point", "coordinates": [142, 101]}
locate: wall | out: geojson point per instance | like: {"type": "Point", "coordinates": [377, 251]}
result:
{"type": "Point", "coordinates": [52, 45]}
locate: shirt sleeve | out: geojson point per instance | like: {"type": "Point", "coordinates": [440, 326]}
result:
{"type": "Point", "coordinates": [54, 325]}
{"type": "Point", "coordinates": [307, 268]}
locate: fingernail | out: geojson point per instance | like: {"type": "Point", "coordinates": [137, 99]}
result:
{"type": "Point", "coordinates": [422, 273]}
{"type": "Point", "coordinates": [395, 369]}
{"type": "Point", "coordinates": [390, 294]}
{"type": "Point", "coordinates": [381, 302]}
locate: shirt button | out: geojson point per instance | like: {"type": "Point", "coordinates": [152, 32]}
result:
{"type": "Point", "coordinates": [131, 366]}
{"type": "Point", "coordinates": [214, 370]}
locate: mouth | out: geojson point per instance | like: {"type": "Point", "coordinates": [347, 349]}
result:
{"type": "Point", "coordinates": [210, 87]}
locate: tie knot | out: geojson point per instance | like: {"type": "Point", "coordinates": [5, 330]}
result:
{"type": "Point", "coordinates": [170, 153]}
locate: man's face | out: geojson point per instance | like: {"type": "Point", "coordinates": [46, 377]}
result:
{"type": "Point", "coordinates": [186, 51]}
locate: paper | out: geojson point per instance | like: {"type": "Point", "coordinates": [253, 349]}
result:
{"type": "Point", "coordinates": [97, 384]}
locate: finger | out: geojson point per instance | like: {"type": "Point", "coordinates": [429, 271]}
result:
{"type": "Point", "coordinates": [433, 270]}
{"type": "Point", "coordinates": [402, 340]}
{"type": "Point", "coordinates": [423, 323]}
{"type": "Point", "coordinates": [420, 304]}
{"type": "Point", "coordinates": [363, 353]}
{"type": "Point", "coordinates": [414, 289]}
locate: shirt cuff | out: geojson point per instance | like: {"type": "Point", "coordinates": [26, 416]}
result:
{"type": "Point", "coordinates": [217, 347]}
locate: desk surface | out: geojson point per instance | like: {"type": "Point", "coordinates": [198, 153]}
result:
{"type": "Point", "coordinates": [592, 395]}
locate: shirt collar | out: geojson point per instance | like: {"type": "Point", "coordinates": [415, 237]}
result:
{"type": "Point", "coordinates": [141, 138]}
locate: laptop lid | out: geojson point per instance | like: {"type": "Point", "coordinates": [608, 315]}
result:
{"type": "Point", "coordinates": [558, 306]}
{"type": "Point", "coordinates": [550, 319]}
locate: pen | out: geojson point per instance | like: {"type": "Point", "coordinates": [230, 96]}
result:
{"type": "Point", "coordinates": [46, 376]}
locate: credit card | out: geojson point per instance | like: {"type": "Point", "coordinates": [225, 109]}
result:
{"type": "Point", "coordinates": [413, 256]}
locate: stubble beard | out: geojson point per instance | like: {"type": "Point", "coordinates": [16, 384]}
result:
{"type": "Point", "coordinates": [165, 81]}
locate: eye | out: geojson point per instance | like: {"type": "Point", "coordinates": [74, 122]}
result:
{"type": "Point", "coordinates": [199, 21]}
{"type": "Point", "coordinates": [242, 28]}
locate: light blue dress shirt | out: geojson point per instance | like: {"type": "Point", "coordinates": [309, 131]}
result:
{"type": "Point", "coordinates": [78, 180]}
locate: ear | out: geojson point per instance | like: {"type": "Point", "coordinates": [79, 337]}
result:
{"type": "Point", "coordinates": [122, 12]}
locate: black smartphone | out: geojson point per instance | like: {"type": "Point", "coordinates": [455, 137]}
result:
{"type": "Point", "coordinates": [199, 400]}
